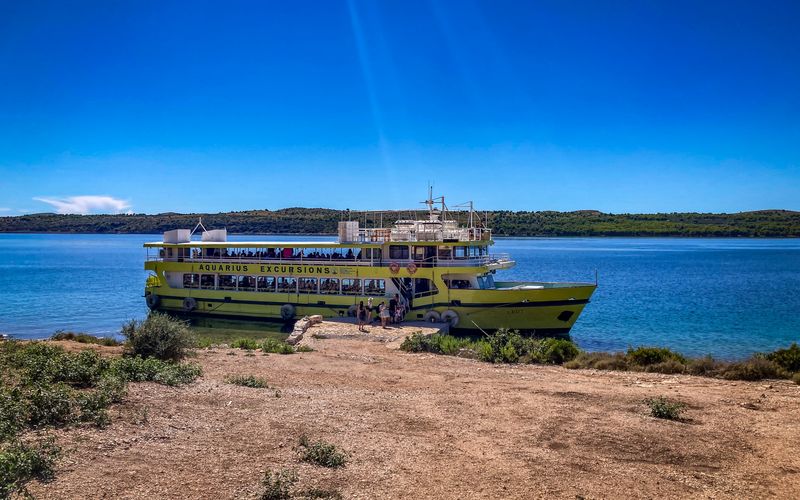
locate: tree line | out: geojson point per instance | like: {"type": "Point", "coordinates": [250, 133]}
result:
{"type": "Point", "coordinates": [766, 223]}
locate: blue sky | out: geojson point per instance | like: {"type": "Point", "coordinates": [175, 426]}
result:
{"type": "Point", "coordinates": [637, 106]}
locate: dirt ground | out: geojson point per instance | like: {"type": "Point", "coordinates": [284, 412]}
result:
{"type": "Point", "coordinates": [427, 426]}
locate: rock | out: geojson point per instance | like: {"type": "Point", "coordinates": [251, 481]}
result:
{"type": "Point", "coordinates": [315, 319]}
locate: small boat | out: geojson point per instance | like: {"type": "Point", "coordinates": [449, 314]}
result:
{"type": "Point", "coordinates": [433, 269]}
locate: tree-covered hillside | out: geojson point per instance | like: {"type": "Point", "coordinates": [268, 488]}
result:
{"type": "Point", "coordinates": [767, 223]}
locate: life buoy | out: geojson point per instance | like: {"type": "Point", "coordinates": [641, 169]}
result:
{"type": "Point", "coordinates": [351, 311]}
{"type": "Point", "coordinates": [189, 304]}
{"type": "Point", "coordinates": [412, 268]}
{"type": "Point", "coordinates": [152, 300]}
{"type": "Point", "coordinates": [394, 267]}
{"type": "Point", "coordinates": [431, 317]}
{"type": "Point", "coordinates": [451, 317]}
{"type": "Point", "coordinates": [287, 311]}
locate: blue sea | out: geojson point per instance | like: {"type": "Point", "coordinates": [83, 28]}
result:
{"type": "Point", "coordinates": [724, 297]}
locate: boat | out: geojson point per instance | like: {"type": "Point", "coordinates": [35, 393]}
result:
{"type": "Point", "coordinates": [437, 269]}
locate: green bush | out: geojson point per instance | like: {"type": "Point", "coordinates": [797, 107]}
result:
{"type": "Point", "coordinates": [484, 351]}
{"type": "Point", "coordinates": [705, 366]}
{"type": "Point", "coordinates": [416, 342]}
{"type": "Point", "coordinates": [49, 404]}
{"type": "Point", "coordinates": [661, 407]}
{"type": "Point", "coordinates": [320, 494]}
{"type": "Point", "coordinates": [755, 368]}
{"type": "Point", "coordinates": [557, 351]}
{"type": "Point", "coordinates": [796, 378]}
{"type": "Point", "coordinates": [646, 356]}
{"type": "Point", "coordinates": [248, 381]}
{"type": "Point", "coordinates": [277, 485]}
{"type": "Point", "coordinates": [598, 361]}
{"type": "Point", "coordinates": [21, 463]}
{"type": "Point", "coordinates": [303, 348]}
{"type": "Point", "coordinates": [246, 344]}
{"type": "Point", "coordinates": [321, 453]}
{"type": "Point", "coordinates": [670, 367]}
{"type": "Point", "coordinates": [788, 359]}
{"type": "Point", "coordinates": [137, 369]}
{"type": "Point", "coordinates": [276, 347]}
{"type": "Point", "coordinates": [159, 336]}
{"type": "Point", "coordinates": [13, 412]}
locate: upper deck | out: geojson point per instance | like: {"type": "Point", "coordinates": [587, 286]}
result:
{"type": "Point", "coordinates": [436, 241]}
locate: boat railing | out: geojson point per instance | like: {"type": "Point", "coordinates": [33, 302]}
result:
{"type": "Point", "coordinates": [434, 261]}
{"type": "Point", "coordinates": [388, 235]}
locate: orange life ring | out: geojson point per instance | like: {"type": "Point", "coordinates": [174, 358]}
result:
{"type": "Point", "coordinates": [394, 267]}
{"type": "Point", "coordinates": [412, 268]}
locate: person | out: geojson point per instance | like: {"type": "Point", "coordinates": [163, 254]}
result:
{"type": "Point", "coordinates": [369, 310]}
{"type": "Point", "coordinates": [401, 312]}
{"type": "Point", "coordinates": [393, 307]}
{"type": "Point", "coordinates": [383, 312]}
{"type": "Point", "coordinates": [361, 316]}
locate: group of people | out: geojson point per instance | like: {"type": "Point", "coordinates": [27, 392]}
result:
{"type": "Point", "coordinates": [275, 253]}
{"type": "Point", "coordinates": [393, 313]}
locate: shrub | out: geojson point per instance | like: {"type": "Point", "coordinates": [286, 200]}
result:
{"type": "Point", "coordinates": [49, 404]}
{"type": "Point", "coordinates": [788, 359]}
{"type": "Point", "coordinates": [755, 368]}
{"type": "Point", "coordinates": [277, 485]}
{"type": "Point", "coordinates": [483, 349]}
{"type": "Point", "coordinates": [705, 366]}
{"type": "Point", "coordinates": [276, 347]}
{"type": "Point", "coordinates": [321, 453]}
{"type": "Point", "coordinates": [646, 356]}
{"type": "Point", "coordinates": [246, 344]}
{"type": "Point", "coordinates": [248, 381]}
{"type": "Point", "coordinates": [416, 342]}
{"type": "Point", "coordinates": [796, 378]}
{"type": "Point", "coordinates": [160, 336]}
{"type": "Point", "coordinates": [303, 348]}
{"type": "Point", "coordinates": [137, 369]}
{"type": "Point", "coordinates": [661, 407]}
{"type": "Point", "coordinates": [85, 338]}
{"type": "Point", "coordinates": [670, 366]}
{"type": "Point", "coordinates": [599, 361]}
{"type": "Point", "coordinates": [20, 463]}
{"type": "Point", "coordinates": [13, 413]}
{"type": "Point", "coordinates": [557, 351]}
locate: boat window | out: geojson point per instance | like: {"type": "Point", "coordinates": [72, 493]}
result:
{"type": "Point", "coordinates": [191, 281]}
{"type": "Point", "coordinates": [227, 282]}
{"type": "Point", "coordinates": [351, 287]}
{"type": "Point", "coordinates": [329, 285]}
{"type": "Point", "coordinates": [247, 283]}
{"type": "Point", "coordinates": [266, 283]}
{"type": "Point", "coordinates": [372, 253]}
{"type": "Point", "coordinates": [398, 251]}
{"type": "Point", "coordinates": [460, 252]}
{"type": "Point", "coordinates": [207, 281]}
{"type": "Point", "coordinates": [486, 282]}
{"type": "Point", "coordinates": [424, 286]}
{"type": "Point", "coordinates": [445, 252]}
{"type": "Point", "coordinates": [374, 287]}
{"type": "Point", "coordinates": [308, 285]}
{"type": "Point", "coordinates": [287, 284]}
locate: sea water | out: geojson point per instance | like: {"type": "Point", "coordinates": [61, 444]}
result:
{"type": "Point", "coordinates": [724, 297]}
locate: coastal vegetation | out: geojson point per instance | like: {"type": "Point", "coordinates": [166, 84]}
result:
{"type": "Point", "coordinates": [321, 453]}
{"type": "Point", "coordinates": [160, 336]}
{"type": "Point", "coordinates": [45, 387]}
{"type": "Point", "coordinates": [508, 346]}
{"type": "Point", "coordinates": [662, 407]}
{"type": "Point", "coordinates": [764, 223]}
{"type": "Point", "coordinates": [85, 338]}
{"type": "Point", "coordinates": [281, 485]}
{"type": "Point", "coordinates": [248, 381]}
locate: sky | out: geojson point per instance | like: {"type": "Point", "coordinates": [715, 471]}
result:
{"type": "Point", "coordinates": [162, 106]}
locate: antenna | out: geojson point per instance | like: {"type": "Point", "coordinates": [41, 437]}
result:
{"type": "Point", "coordinates": [199, 224]}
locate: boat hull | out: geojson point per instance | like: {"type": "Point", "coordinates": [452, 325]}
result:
{"type": "Point", "coordinates": [545, 310]}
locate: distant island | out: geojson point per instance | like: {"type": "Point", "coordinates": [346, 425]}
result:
{"type": "Point", "coordinates": [764, 223]}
